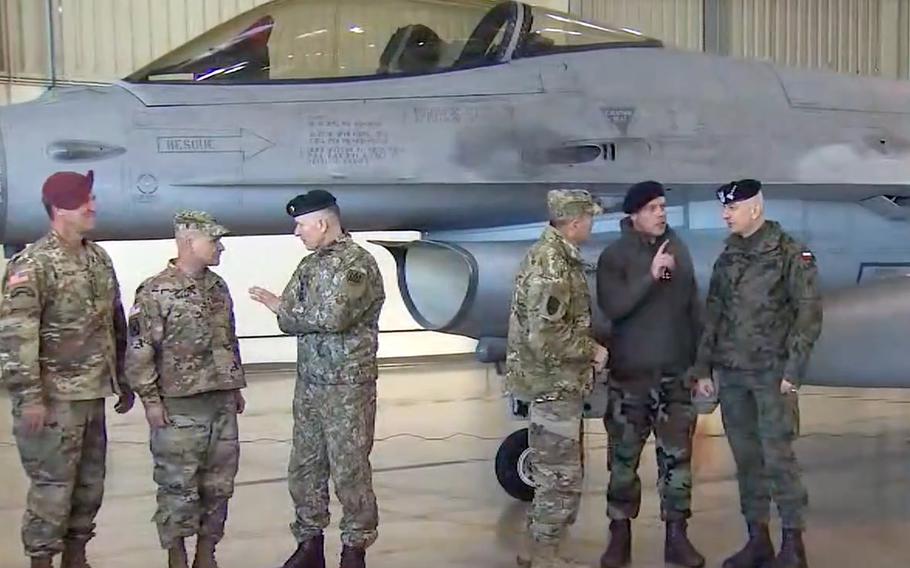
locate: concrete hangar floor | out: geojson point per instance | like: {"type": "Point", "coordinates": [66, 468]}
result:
{"type": "Point", "coordinates": [439, 426]}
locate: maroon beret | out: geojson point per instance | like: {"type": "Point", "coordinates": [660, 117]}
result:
{"type": "Point", "coordinates": [68, 190]}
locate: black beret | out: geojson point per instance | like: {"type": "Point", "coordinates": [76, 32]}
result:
{"type": "Point", "coordinates": [641, 194]}
{"type": "Point", "coordinates": [738, 190]}
{"type": "Point", "coordinates": [315, 200]}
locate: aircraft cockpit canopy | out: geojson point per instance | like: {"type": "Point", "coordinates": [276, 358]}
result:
{"type": "Point", "coordinates": [332, 40]}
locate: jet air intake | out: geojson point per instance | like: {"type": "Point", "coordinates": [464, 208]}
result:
{"type": "Point", "coordinates": [461, 288]}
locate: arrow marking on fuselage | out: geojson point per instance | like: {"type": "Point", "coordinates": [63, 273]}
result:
{"type": "Point", "coordinates": [247, 143]}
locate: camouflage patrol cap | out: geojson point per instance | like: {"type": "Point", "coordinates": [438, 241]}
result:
{"type": "Point", "coordinates": [198, 221]}
{"type": "Point", "coordinates": [568, 203]}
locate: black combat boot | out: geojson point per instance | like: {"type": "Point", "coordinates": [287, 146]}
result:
{"type": "Point", "coordinates": [74, 554]}
{"type": "Point", "coordinates": [205, 553]}
{"type": "Point", "coordinates": [353, 557]}
{"type": "Point", "coordinates": [758, 552]}
{"type": "Point", "coordinates": [619, 551]}
{"type": "Point", "coordinates": [176, 555]}
{"type": "Point", "coordinates": [309, 554]}
{"type": "Point", "coordinates": [792, 551]}
{"type": "Point", "coordinates": [678, 550]}
{"type": "Point", "coordinates": [41, 562]}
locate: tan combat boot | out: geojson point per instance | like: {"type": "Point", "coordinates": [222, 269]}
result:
{"type": "Point", "coordinates": [74, 555]}
{"type": "Point", "coordinates": [176, 555]}
{"type": "Point", "coordinates": [205, 553]}
{"type": "Point", "coordinates": [547, 556]}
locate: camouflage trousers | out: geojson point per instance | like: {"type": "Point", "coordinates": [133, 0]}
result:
{"type": "Point", "coordinates": [636, 406]}
{"type": "Point", "coordinates": [65, 462]}
{"type": "Point", "coordinates": [196, 458]}
{"type": "Point", "coordinates": [333, 436]}
{"type": "Point", "coordinates": [554, 437]}
{"type": "Point", "coordinates": [761, 424]}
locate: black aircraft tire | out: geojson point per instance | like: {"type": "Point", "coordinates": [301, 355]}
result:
{"type": "Point", "coordinates": [507, 465]}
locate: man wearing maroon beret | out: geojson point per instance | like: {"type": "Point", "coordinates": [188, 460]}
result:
{"type": "Point", "coordinates": [62, 344]}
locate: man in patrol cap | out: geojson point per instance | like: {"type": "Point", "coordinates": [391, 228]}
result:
{"type": "Point", "coordinates": [62, 338]}
{"type": "Point", "coordinates": [332, 305]}
{"type": "Point", "coordinates": [183, 360]}
{"type": "Point", "coordinates": [763, 318]}
{"type": "Point", "coordinates": [550, 362]}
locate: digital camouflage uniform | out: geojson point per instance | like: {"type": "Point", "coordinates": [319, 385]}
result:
{"type": "Point", "coordinates": [183, 353]}
{"type": "Point", "coordinates": [332, 305]}
{"type": "Point", "coordinates": [550, 363]}
{"type": "Point", "coordinates": [763, 318]}
{"type": "Point", "coordinates": [62, 337]}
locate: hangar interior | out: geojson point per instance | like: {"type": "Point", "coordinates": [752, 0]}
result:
{"type": "Point", "coordinates": [441, 415]}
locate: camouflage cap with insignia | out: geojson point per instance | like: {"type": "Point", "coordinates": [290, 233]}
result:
{"type": "Point", "coordinates": [199, 221]}
{"type": "Point", "coordinates": [569, 203]}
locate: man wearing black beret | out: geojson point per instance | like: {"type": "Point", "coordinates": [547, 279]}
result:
{"type": "Point", "coordinates": [763, 318]}
{"type": "Point", "coordinates": [646, 287]}
{"type": "Point", "coordinates": [332, 305]}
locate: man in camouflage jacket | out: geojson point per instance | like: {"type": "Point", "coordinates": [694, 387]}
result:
{"type": "Point", "coordinates": [550, 362]}
{"type": "Point", "coordinates": [332, 305]}
{"type": "Point", "coordinates": [62, 341]}
{"type": "Point", "coordinates": [183, 360]}
{"type": "Point", "coordinates": [763, 318]}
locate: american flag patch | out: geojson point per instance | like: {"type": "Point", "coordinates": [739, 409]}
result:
{"type": "Point", "coordinates": [17, 278]}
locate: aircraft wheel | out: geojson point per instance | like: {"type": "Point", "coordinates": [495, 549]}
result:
{"type": "Point", "coordinates": [513, 468]}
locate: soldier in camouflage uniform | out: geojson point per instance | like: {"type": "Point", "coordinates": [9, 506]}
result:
{"type": "Point", "coordinates": [332, 305]}
{"type": "Point", "coordinates": [550, 362]}
{"type": "Point", "coordinates": [763, 318]}
{"type": "Point", "coordinates": [62, 340]}
{"type": "Point", "coordinates": [646, 287]}
{"type": "Point", "coordinates": [183, 360]}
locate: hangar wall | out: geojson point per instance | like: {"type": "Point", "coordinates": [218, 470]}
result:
{"type": "Point", "coordinates": [866, 37]}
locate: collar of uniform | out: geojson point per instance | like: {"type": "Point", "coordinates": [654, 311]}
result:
{"type": "Point", "coordinates": [54, 240]}
{"type": "Point", "coordinates": [341, 242]}
{"type": "Point", "coordinates": [184, 280]}
{"type": "Point", "coordinates": [552, 235]}
{"type": "Point", "coordinates": [767, 238]}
